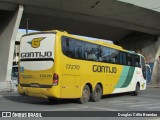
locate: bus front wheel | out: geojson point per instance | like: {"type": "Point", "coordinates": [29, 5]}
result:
{"type": "Point", "coordinates": [96, 94]}
{"type": "Point", "coordinates": [135, 93]}
{"type": "Point", "coordinates": [85, 95]}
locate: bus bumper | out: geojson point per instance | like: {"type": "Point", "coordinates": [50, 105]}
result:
{"type": "Point", "coordinates": [53, 92]}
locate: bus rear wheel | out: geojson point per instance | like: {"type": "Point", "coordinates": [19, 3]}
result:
{"type": "Point", "coordinates": [85, 95]}
{"type": "Point", "coordinates": [96, 94]}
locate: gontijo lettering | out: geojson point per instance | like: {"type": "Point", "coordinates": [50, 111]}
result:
{"type": "Point", "coordinates": [104, 69]}
{"type": "Point", "coordinates": [36, 54]}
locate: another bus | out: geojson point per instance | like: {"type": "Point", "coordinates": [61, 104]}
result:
{"type": "Point", "coordinates": [55, 64]}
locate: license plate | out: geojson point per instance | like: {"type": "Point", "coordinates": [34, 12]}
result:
{"type": "Point", "coordinates": [34, 85]}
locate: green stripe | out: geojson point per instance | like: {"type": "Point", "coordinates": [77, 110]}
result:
{"type": "Point", "coordinates": [123, 76]}
{"type": "Point", "coordinates": [129, 77]}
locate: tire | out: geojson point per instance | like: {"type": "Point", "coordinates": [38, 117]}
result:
{"type": "Point", "coordinates": [85, 95]}
{"type": "Point", "coordinates": [136, 92]}
{"type": "Point", "coordinates": [96, 94]}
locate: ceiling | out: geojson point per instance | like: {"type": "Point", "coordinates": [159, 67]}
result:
{"type": "Point", "coordinates": [106, 19]}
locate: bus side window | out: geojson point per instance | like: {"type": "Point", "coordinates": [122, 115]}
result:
{"type": "Point", "coordinates": [68, 46]}
{"type": "Point", "coordinates": [91, 57]}
{"type": "Point", "coordinates": [136, 60]}
{"type": "Point", "coordinates": [122, 58]}
{"type": "Point", "coordinates": [105, 55]}
{"type": "Point", "coordinates": [129, 60]}
{"type": "Point", "coordinates": [79, 50]}
{"type": "Point", "coordinates": [113, 60]}
{"type": "Point", "coordinates": [114, 56]}
{"type": "Point", "coordinates": [91, 51]}
{"type": "Point", "coordinates": [64, 45]}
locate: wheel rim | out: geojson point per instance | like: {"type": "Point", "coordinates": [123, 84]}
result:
{"type": "Point", "coordinates": [85, 95]}
{"type": "Point", "coordinates": [97, 92]}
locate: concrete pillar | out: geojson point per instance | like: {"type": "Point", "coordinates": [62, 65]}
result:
{"type": "Point", "coordinates": [156, 69]}
{"type": "Point", "coordinates": [7, 41]}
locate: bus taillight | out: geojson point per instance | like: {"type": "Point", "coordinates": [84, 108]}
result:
{"type": "Point", "coordinates": [55, 79]}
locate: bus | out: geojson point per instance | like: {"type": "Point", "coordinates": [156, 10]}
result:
{"type": "Point", "coordinates": [58, 65]}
